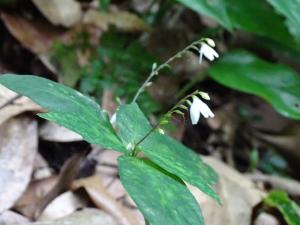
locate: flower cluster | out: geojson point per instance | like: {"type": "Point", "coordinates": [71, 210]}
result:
{"type": "Point", "coordinates": [196, 107]}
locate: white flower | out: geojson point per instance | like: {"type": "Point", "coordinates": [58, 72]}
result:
{"type": "Point", "coordinates": [208, 52]}
{"type": "Point", "coordinates": [113, 119]}
{"type": "Point", "coordinates": [199, 107]}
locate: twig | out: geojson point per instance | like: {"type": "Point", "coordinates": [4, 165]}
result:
{"type": "Point", "coordinates": [67, 175]}
{"type": "Point", "coordinates": [102, 199]}
{"type": "Point", "coordinates": [290, 186]}
{"type": "Point", "coordinates": [10, 101]}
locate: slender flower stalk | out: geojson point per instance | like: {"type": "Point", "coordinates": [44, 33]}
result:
{"type": "Point", "coordinates": [155, 69]}
{"type": "Point", "coordinates": [206, 49]}
{"type": "Point", "coordinates": [197, 107]}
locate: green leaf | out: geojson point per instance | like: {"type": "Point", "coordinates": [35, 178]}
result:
{"type": "Point", "coordinates": [215, 9]}
{"type": "Point", "coordinates": [66, 107]}
{"type": "Point", "coordinates": [165, 151]}
{"type": "Point", "coordinates": [254, 16]}
{"type": "Point", "coordinates": [290, 9]}
{"type": "Point", "coordinates": [161, 197]}
{"type": "Point", "coordinates": [103, 5]}
{"type": "Point", "coordinates": [289, 209]}
{"type": "Point", "coordinates": [277, 84]}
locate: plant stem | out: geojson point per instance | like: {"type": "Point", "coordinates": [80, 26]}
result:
{"type": "Point", "coordinates": [166, 116]}
{"type": "Point", "coordinates": [181, 101]}
{"type": "Point", "coordinates": [147, 222]}
{"type": "Point", "coordinates": [156, 70]}
{"type": "Point", "coordinates": [147, 135]}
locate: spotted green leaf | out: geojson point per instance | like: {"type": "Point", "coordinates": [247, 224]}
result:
{"type": "Point", "coordinates": [165, 151]}
{"type": "Point", "coordinates": [160, 196]}
{"type": "Point", "coordinates": [66, 107]}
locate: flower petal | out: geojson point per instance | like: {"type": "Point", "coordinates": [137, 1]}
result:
{"type": "Point", "coordinates": [113, 119]}
{"type": "Point", "coordinates": [195, 111]}
{"type": "Point", "coordinates": [215, 53]}
{"type": "Point", "coordinates": [205, 110]}
{"type": "Point", "coordinates": [208, 52]}
{"type": "Point", "coordinates": [197, 108]}
{"type": "Point", "coordinates": [200, 57]}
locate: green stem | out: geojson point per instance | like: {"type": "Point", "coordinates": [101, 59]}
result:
{"type": "Point", "coordinates": [147, 135]}
{"type": "Point", "coordinates": [166, 116]}
{"type": "Point", "coordinates": [147, 222]}
{"type": "Point", "coordinates": [182, 101]}
{"type": "Point", "coordinates": [156, 70]}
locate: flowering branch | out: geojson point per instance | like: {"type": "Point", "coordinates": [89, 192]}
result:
{"type": "Point", "coordinates": [155, 69]}
{"type": "Point", "coordinates": [197, 107]}
{"type": "Point", "coordinates": [165, 118]}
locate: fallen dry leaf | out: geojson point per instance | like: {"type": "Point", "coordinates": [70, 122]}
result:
{"type": "Point", "coordinates": [108, 157]}
{"type": "Point", "coordinates": [18, 147]}
{"type": "Point", "coordinates": [102, 199]}
{"type": "Point", "coordinates": [86, 216]}
{"type": "Point", "coordinates": [12, 218]}
{"type": "Point", "coordinates": [116, 189]}
{"type": "Point", "coordinates": [64, 205]}
{"type": "Point", "coordinates": [288, 185]}
{"type": "Point", "coordinates": [287, 141]}
{"type": "Point", "coordinates": [32, 34]}
{"type": "Point", "coordinates": [123, 20]}
{"type": "Point", "coordinates": [67, 175]}
{"type": "Point", "coordinates": [41, 169]}
{"type": "Point", "coordinates": [35, 191]}
{"type": "Point", "coordinates": [53, 132]}
{"type": "Point", "coordinates": [107, 166]}
{"type": "Point", "coordinates": [266, 219]}
{"type": "Point", "coordinates": [12, 104]}
{"type": "Point", "coordinates": [66, 13]}
{"type": "Point", "coordinates": [238, 194]}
